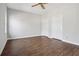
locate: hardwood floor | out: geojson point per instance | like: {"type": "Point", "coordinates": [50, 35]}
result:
{"type": "Point", "coordinates": [39, 46]}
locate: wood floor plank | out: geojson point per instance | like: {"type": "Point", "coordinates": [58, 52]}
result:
{"type": "Point", "coordinates": [39, 46]}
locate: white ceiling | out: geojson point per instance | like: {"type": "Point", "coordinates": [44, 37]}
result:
{"type": "Point", "coordinates": [37, 9]}
{"type": "Point", "coordinates": [27, 7]}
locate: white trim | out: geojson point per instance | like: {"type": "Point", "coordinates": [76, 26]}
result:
{"type": "Point", "coordinates": [65, 41]}
{"type": "Point", "coordinates": [44, 35]}
{"type": "Point", "coordinates": [70, 42]}
{"type": "Point", "coordinates": [23, 37]}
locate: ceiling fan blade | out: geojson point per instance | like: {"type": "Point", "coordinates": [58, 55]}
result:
{"type": "Point", "coordinates": [44, 3]}
{"type": "Point", "coordinates": [35, 5]}
{"type": "Point", "coordinates": [42, 6]}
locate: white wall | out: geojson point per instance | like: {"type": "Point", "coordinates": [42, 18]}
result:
{"type": "Point", "coordinates": [70, 23]}
{"type": "Point", "coordinates": [77, 23]}
{"type": "Point", "coordinates": [45, 25]}
{"type": "Point", "coordinates": [3, 18]}
{"type": "Point", "coordinates": [23, 24]}
{"type": "Point", "coordinates": [52, 22]}
{"type": "Point", "coordinates": [61, 21]}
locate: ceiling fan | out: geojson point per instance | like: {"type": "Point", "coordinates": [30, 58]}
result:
{"type": "Point", "coordinates": [41, 4]}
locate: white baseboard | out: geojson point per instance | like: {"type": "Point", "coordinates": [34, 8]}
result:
{"type": "Point", "coordinates": [71, 42]}
{"type": "Point", "coordinates": [65, 40]}
{"type": "Point", "coordinates": [47, 36]}
{"type": "Point", "coordinates": [23, 37]}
